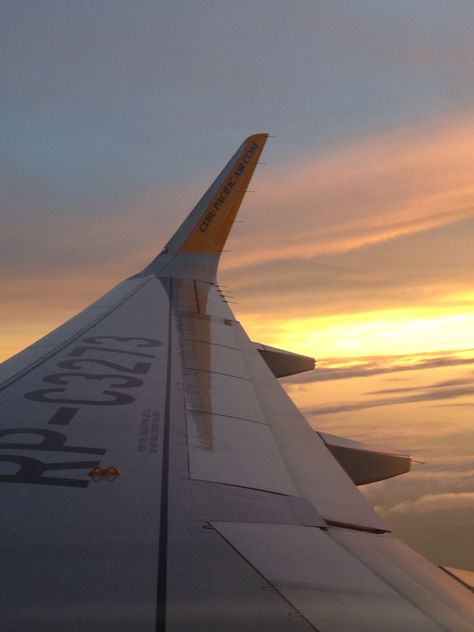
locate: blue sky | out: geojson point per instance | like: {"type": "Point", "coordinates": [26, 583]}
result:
{"type": "Point", "coordinates": [120, 95]}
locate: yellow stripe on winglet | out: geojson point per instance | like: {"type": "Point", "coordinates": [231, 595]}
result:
{"type": "Point", "coordinates": [211, 231]}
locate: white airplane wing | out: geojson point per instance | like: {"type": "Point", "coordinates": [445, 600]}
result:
{"type": "Point", "coordinates": [155, 476]}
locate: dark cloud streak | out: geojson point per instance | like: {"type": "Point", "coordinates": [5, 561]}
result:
{"type": "Point", "coordinates": [391, 401]}
{"type": "Point", "coordinates": [377, 365]}
{"type": "Point", "coordinates": [408, 389]}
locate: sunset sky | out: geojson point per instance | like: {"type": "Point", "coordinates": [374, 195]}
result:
{"type": "Point", "coordinates": [357, 245]}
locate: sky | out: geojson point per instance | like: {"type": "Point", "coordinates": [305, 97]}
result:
{"type": "Point", "coordinates": [356, 245]}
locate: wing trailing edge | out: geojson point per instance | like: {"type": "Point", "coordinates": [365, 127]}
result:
{"type": "Point", "coordinates": [194, 250]}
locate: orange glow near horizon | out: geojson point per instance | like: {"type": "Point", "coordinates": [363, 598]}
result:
{"type": "Point", "coordinates": [388, 332]}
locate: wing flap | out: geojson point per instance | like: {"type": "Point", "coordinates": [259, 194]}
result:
{"type": "Point", "coordinates": [432, 591]}
{"type": "Point", "coordinates": [331, 588]}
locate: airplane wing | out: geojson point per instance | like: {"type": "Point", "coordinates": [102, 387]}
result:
{"type": "Point", "coordinates": [155, 475]}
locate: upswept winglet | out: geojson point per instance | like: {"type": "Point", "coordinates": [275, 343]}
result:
{"type": "Point", "coordinates": [195, 248]}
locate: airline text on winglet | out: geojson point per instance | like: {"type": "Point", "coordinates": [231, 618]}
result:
{"type": "Point", "coordinates": [225, 191]}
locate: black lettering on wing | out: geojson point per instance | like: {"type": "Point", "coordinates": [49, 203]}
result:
{"type": "Point", "coordinates": [52, 441]}
{"type": "Point", "coordinates": [139, 367]}
{"type": "Point", "coordinates": [140, 342]}
{"type": "Point", "coordinates": [47, 395]}
{"type": "Point", "coordinates": [31, 471]}
{"type": "Point", "coordinates": [117, 381]}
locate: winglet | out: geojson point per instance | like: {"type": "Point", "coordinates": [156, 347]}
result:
{"type": "Point", "coordinates": [194, 250]}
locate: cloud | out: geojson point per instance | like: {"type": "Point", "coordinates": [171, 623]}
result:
{"type": "Point", "coordinates": [411, 389]}
{"type": "Point", "coordinates": [433, 267]}
{"type": "Point", "coordinates": [437, 482]}
{"type": "Point", "coordinates": [406, 436]}
{"type": "Point", "coordinates": [385, 223]}
{"type": "Point", "coordinates": [391, 184]}
{"type": "Point", "coordinates": [391, 401]}
{"type": "Point", "coordinates": [432, 502]}
{"type": "Point", "coordinates": [387, 186]}
{"type": "Point", "coordinates": [435, 476]}
{"type": "Point", "coordinates": [459, 404]}
{"type": "Point", "coordinates": [377, 365]}
{"type": "Point", "coordinates": [452, 478]}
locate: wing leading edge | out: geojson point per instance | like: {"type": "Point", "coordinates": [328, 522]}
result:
{"type": "Point", "coordinates": [155, 476]}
